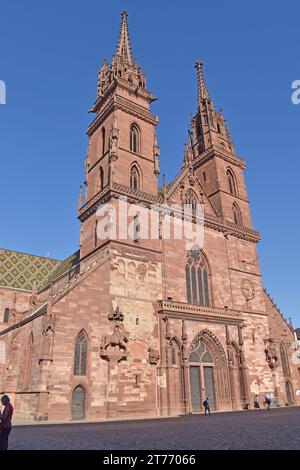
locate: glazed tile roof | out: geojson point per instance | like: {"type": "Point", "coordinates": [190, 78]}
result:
{"type": "Point", "coordinates": [64, 266]}
{"type": "Point", "coordinates": [21, 270]}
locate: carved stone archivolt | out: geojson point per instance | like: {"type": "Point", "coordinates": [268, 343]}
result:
{"type": "Point", "coordinates": [248, 289]}
{"type": "Point", "coordinates": [213, 344]}
{"type": "Point", "coordinates": [113, 347]}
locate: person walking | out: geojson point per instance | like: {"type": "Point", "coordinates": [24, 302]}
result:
{"type": "Point", "coordinates": [256, 402]}
{"type": "Point", "coordinates": [5, 422]}
{"type": "Point", "coordinates": [268, 400]}
{"type": "Point", "coordinates": [206, 406]}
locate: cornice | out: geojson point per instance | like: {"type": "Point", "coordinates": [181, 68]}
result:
{"type": "Point", "coordinates": [122, 83]}
{"type": "Point", "coordinates": [136, 196]}
{"type": "Point", "coordinates": [89, 207]}
{"type": "Point", "coordinates": [198, 312]}
{"type": "Point", "coordinates": [135, 110]}
{"type": "Point", "coordinates": [215, 151]}
{"type": "Point", "coordinates": [234, 196]}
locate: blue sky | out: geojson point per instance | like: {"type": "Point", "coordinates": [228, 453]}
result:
{"type": "Point", "coordinates": [49, 58]}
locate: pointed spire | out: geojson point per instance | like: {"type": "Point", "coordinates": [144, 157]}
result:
{"type": "Point", "coordinates": [202, 88]}
{"type": "Point", "coordinates": [123, 49]}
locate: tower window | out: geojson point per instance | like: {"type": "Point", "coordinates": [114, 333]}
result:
{"type": "Point", "coordinates": [103, 140]}
{"type": "Point", "coordinates": [134, 139]}
{"type": "Point", "coordinates": [6, 315]}
{"type": "Point", "coordinates": [101, 176]}
{"type": "Point", "coordinates": [174, 362]}
{"type": "Point", "coordinates": [218, 127]}
{"type": "Point", "coordinates": [231, 182]}
{"type": "Point", "coordinates": [236, 213]}
{"type": "Point", "coordinates": [136, 229]}
{"type": "Point", "coordinates": [204, 176]}
{"type": "Point", "coordinates": [134, 178]}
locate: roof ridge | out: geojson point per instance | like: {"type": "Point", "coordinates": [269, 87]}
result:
{"type": "Point", "coordinates": [30, 254]}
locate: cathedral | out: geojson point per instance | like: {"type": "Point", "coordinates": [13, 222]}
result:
{"type": "Point", "coordinates": [147, 326]}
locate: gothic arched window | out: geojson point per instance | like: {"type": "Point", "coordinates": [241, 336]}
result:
{"type": "Point", "coordinates": [197, 279]}
{"type": "Point", "coordinates": [101, 176]}
{"type": "Point", "coordinates": [201, 354]}
{"type": "Point", "coordinates": [134, 178]}
{"type": "Point", "coordinates": [237, 215]}
{"type": "Point", "coordinates": [231, 182]}
{"type": "Point", "coordinates": [6, 315]}
{"type": "Point", "coordinates": [134, 139]}
{"type": "Point", "coordinates": [284, 361]}
{"type": "Point", "coordinates": [80, 357]}
{"type": "Point", "coordinates": [103, 140]}
{"type": "Point", "coordinates": [175, 353]}
{"type": "Point", "coordinates": [191, 199]}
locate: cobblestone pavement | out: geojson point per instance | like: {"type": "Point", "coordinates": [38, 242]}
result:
{"type": "Point", "coordinates": [262, 429]}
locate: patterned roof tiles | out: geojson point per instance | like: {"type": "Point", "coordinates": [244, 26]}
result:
{"type": "Point", "coordinates": [21, 270]}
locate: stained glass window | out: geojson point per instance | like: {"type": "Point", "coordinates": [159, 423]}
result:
{"type": "Point", "coordinates": [80, 358]}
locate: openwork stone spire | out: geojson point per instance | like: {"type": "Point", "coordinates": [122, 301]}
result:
{"type": "Point", "coordinates": [202, 88]}
{"type": "Point", "coordinates": [123, 49]}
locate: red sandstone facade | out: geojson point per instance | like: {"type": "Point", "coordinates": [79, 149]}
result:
{"type": "Point", "coordinates": [146, 327]}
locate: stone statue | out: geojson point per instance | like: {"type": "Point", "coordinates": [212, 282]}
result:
{"type": "Point", "coordinates": [47, 332]}
{"type": "Point", "coordinates": [153, 356]}
{"type": "Point", "coordinates": [118, 338]}
{"type": "Point", "coordinates": [113, 142]}
{"type": "Point", "coordinates": [117, 315]}
{"type": "Point", "coordinates": [271, 353]}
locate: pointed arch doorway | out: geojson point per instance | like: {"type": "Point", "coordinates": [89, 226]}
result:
{"type": "Point", "coordinates": [78, 403]}
{"type": "Point", "coordinates": [202, 381]}
{"type": "Point", "coordinates": [289, 393]}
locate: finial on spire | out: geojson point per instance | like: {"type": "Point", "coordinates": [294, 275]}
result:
{"type": "Point", "coordinates": [123, 49]}
{"type": "Point", "coordinates": [202, 89]}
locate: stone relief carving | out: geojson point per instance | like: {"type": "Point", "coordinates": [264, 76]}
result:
{"type": "Point", "coordinates": [248, 289]}
{"type": "Point", "coordinates": [114, 346]}
{"type": "Point", "coordinates": [271, 353]}
{"type": "Point", "coordinates": [117, 315]}
{"type": "Point", "coordinates": [153, 356]}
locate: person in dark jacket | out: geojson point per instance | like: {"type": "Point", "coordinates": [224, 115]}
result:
{"type": "Point", "coordinates": [256, 402]}
{"type": "Point", "coordinates": [5, 422]}
{"type": "Point", "coordinates": [206, 406]}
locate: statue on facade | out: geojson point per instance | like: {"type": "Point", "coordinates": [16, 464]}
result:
{"type": "Point", "coordinates": [271, 353]}
{"type": "Point", "coordinates": [113, 142]}
{"type": "Point", "coordinates": [153, 356]}
{"type": "Point", "coordinates": [118, 338]}
{"type": "Point", "coordinates": [114, 345]}
{"type": "Point", "coordinates": [47, 334]}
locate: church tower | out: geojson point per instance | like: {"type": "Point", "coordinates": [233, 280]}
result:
{"type": "Point", "coordinates": [216, 164]}
{"type": "Point", "coordinates": [123, 155]}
